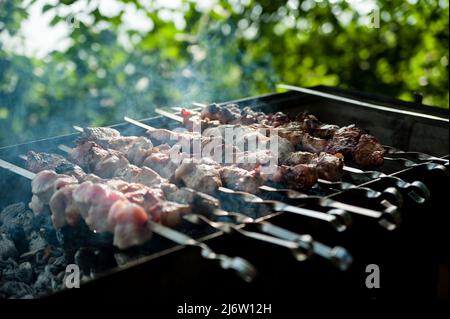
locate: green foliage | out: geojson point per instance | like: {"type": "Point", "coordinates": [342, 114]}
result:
{"type": "Point", "coordinates": [230, 50]}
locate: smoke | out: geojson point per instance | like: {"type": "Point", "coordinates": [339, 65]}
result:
{"type": "Point", "coordinates": [101, 77]}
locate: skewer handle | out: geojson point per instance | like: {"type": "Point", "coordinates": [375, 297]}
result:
{"type": "Point", "coordinates": [300, 249]}
{"type": "Point", "coordinates": [338, 255]}
{"type": "Point", "coordinates": [242, 267]}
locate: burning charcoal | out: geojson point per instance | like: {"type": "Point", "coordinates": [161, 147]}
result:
{"type": "Point", "coordinates": [60, 277]}
{"type": "Point", "coordinates": [16, 221]}
{"type": "Point", "coordinates": [7, 248]}
{"type": "Point", "coordinates": [8, 269]}
{"type": "Point", "coordinates": [59, 262]}
{"type": "Point", "coordinates": [45, 281]}
{"type": "Point", "coordinates": [15, 289]}
{"type": "Point", "coordinates": [37, 242]}
{"type": "Point", "coordinates": [25, 272]}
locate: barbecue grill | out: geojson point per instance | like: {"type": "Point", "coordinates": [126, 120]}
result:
{"type": "Point", "coordinates": [408, 187]}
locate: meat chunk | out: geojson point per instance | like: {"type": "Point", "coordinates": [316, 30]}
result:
{"type": "Point", "coordinates": [329, 166]}
{"type": "Point", "coordinates": [162, 164]}
{"type": "Point", "coordinates": [64, 209]}
{"type": "Point", "coordinates": [301, 176]}
{"type": "Point", "coordinates": [136, 148]}
{"type": "Point", "coordinates": [130, 224]}
{"type": "Point", "coordinates": [240, 179]}
{"type": "Point", "coordinates": [44, 184]}
{"type": "Point", "coordinates": [104, 162]}
{"type": "Point", "coordinates": [224, 114]}
{"type": "Point", "coordinates": [344, 140]}
{"type": "Point", "coordinates": [368, 152]}
{"type": "Point", "coordinates": [202, 177]}
{"type": "Point", "coordinates": [94, 202]}
{"type": "Point", "coordinates": [39, 161]}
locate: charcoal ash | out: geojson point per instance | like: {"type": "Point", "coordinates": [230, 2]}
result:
{"type": "Point", "coordinates": [34, 256]}
{"type": "Point", "coordinates": [7, 248]}
{"type": "Point", "coordinates": [25, 272]}
{"type": "Point", "coordinates": [15, 289]}
{"type": "Point", "coordinates": [32, 261]}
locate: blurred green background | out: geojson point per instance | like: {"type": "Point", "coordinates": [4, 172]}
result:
{"type": "Point", "coordinates": [119, 57]}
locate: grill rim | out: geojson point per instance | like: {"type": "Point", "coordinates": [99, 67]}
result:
{"type": "Point", "coordinates": [215, 234]}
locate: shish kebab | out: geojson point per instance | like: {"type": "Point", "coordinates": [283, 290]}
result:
{"type": "Point", "coordinates": [255, 144]}
{"type": "Point", "coordinates": [300, 245]}
{"type": "Point", "coordinates": [104, 135]}
{"type": "Point", "coordinates": [328, 166]}
{"type": "Point", "coordinates": [350, 140]}
{"type": "Point", "coordinates": [306, 132]}
{"type": "Point", "coordinates": [163, 158]}
{"type": "Point", "coordinates": [204, 177]}
{"type": "Point", "coordinates": [345, 140]}
{"type": "Point", "coordinates": [110, 207]}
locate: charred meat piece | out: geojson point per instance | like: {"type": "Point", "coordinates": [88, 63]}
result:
{"type": "Point", "coordinates": [253, 160]}
{"type": "Point", "coordinates": [164, 136]}
{"type": "Point", "coordinates": [301, 176]}
{"type": "Point", "coordinates": [224, 114]}
{"type": "Point", "coordinates": [368, 152]}
{"type": "Point", "coordinates": [275, 120]}
{"type": "Point", "coordinates": [344, 140]}
{"type": "Point", "coordinates": [37, 162]}
{"type": "Point", "coordinates": [145, 176]}
{"type": "Point", "coordinates": [329, 166]}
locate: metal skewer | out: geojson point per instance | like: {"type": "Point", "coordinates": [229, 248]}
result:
{"type": "Point", "coordinates": [392, 215]}
{"type": "Point", "coordinates": [340, 219]}
{"type": "Point", "coordinates": [416, 155]}
{"type": "Point", "coordinates": [417, 190]}
{"type": "Point", "coordinates": [358, 103]}
{"type": "Point", "coordinates": [338, 255]}
{"type": "Point", "coordinates": [301, 248]}
{"type": "Point", "coordinates": [245, 270]}
{"type": "Point", "coordinates": [389, 218]}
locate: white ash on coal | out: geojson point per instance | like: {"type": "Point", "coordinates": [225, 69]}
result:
{"type": "Point", "coordinates": [33, 257]}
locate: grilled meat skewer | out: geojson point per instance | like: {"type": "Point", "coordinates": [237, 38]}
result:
{"type": "Point", "coordinates": [298, 176]}
{"type": "Point", "coordinates": [103, 208]}
{"type": "Point", "coordinates": [236, 178]}
{"type": "Point", "coordinates": [306, 132]}
{"type": "Point", "coordinates": [129, 221]}
{"type": "Point", "coordinates": [150, 195]}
